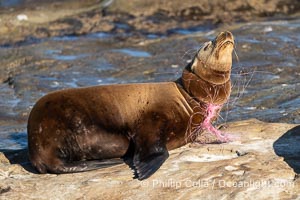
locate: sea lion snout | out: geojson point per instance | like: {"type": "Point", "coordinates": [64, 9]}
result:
{"type": "Point", "coordinates": [223, 54]}
{"type": "Point", "coordinates": [225, 37]}
{"type": "Point", "coordinates": [213, 61]}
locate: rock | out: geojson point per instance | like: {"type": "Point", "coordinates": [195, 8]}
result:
{"type": "Point", "coordinates": [208, 9]}
{"type": "Point", "coordinates": [262, 164]}
{"type": "Point", "coordinates": [59, 18]}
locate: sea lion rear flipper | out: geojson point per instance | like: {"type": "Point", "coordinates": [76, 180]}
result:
{"type": "Point", "coordinates": [148, 161]}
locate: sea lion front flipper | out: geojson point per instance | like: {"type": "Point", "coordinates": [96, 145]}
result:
{"type": "Point", "coordinates": [148, 159]}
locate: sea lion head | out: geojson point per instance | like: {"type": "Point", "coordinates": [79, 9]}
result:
{"type": "Point", "coordinates": [213, 61]}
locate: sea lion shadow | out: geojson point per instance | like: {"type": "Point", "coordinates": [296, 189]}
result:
{"type": "Point", "coordinates": [20, 157]}
{"type": "Point", "coordinates": [287, 146]}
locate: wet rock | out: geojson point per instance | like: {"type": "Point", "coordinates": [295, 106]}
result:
{"type": "Point", "coordinates": [261, 164]}
{"type": "Point", "coordinates": [57, 18]}
{"type": "Point", "coordinates": [212, 10]}
{"type": "Point", "coordinates": [49, 18]}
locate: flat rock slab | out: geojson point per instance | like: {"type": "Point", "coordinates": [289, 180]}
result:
{"type": "Point", "coordinates": [262, 163]}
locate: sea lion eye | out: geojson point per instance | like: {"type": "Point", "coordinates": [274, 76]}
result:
{"type": "Point", "coordinates": [206, 47]}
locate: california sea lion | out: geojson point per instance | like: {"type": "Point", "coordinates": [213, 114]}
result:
{"type": "Point", "coordinates": [81, 129]}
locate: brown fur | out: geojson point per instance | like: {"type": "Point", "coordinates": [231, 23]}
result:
{"type": "Point", "coordinates": [86, 128]}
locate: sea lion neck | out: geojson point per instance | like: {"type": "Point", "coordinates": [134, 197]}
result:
{"type": "Point", "coordinates": [201, 90]}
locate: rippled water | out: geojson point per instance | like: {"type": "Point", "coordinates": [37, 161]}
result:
{"type": "Point", "coordinates": [266, 70]}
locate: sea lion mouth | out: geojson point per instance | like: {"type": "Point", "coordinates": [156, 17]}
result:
{"type": "Point", "coordinates": [226, 43]}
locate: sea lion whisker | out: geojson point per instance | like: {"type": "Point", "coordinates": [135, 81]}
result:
{"type": "Point", "coordinates": [159, 73]}
{"type": "Point", "coordinates": [236, 55]}
{"type": "Point", "coordinates": [188, 52]}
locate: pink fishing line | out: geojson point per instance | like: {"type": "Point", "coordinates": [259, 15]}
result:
{"type": "Point", "coordinates": [211, 112]}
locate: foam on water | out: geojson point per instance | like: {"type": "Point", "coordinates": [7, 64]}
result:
{"type": "Point", "coordinates": [133, 52]}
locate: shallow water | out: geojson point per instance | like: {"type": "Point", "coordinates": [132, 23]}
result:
{"type": "Point", "coordinates": [265, 77]}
